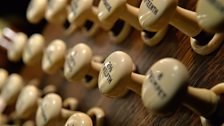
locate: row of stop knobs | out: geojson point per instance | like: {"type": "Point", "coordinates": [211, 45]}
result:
{"type": "Point", "coordinates": [44, 106]}
{"type": "Point", "coordinates": [151, 17]}
{"type": "Point", "coordinates": [163, 86]}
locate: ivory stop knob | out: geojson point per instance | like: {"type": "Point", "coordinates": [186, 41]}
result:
{"type": "Point", "coordinates": [77, 62]}
{"type": "Point", "coordinates": [115, 77]}
{"type": "Point", "coordinates": [210, 15]}
{"type": "Point", "coordinates": [53, 58]}
{"type": "Point", "coordinates": [108, 11]}
{"type": "Point", "coordinates": [27, 101]}
{"type": "Point", "coordinates": [33, 50]}
{"type": "Point", "coordinates": [154, 16]}
{"type": "Point", "coordinates": [35, 11]}
{"type": "Point", "coordinates": [56, 11]}
{"type": "Point", "coordinates": [79, 119]}
{"type": "Point", "coordinates": [13, 42]}
{"type": "Point", "coordinates": [49, 109]}
{"type": "Point", "coordinates": [11, 88]}
{"type": "Point", "coordinates": [83, 13]}
{"type": "Point", "coordinates": [164, 84]}
{"type": "Point", "coordinates": [18, 44]}
{"type": "Point", "coordinates": [119, 29]}
{"type": "Point", "coordinates": [29, 98]}
{"type": "Point", "coordinates": [80, 63]}
{"type": "Point", "coordinates": [112, 10]}
{"type": "Point", "coordinates": [80, 11]}
{"type": "Point", "coordinates": [165, 87]}
{"type": "Point", "coordinates": [78, 15]}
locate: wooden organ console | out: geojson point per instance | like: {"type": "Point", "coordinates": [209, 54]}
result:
{"type": "Point", "coordinates": [205, 70]}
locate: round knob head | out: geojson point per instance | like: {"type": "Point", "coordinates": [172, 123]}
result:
{"type": "Point", "coordinates": [56, 11]}
{"type": "Point", "coordinates": [156, 14]}
{"type": "Point", "coordinates": [3, 77]}
{"type": "Point", "coordinates": [79, 119]}
{"type": "Point", "coordinates": [165, 82]}
{"type": "Point", "coordinates": [35, 11]}
{"type": "Point", "coordinates": [115, 73]}
{"type": "Point", "coordinates": [27, 101]}
{"type": "Point", "coordinates": [79, 9]}
{"type": "Point", "coordinates": [16, 50]}
{"type": "Point", "coordinates": [33, 51]}
{"type": "Point", "coordinates": [11, 88]}
{"type": "Point", "coordinates": [53, 57]}
{"type": "Point", "coordinates": [77, 62]}
{"type": "Point", "coordinates": [108, 10]}
{"type": "Point", "coordinates": [49, 109]}
{"type": "Point", "coordinates": [210, 15]}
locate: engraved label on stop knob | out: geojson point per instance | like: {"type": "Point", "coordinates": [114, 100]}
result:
{"type": "Point", "coordinates": [74, 6]}
{"type": "Point", "coordinates": [154, 80]}
{"type": "Point", "coordinates": [106, 71]}
{"type": "Point", "coordinates": [151, 6]}
{"type": "Point", "coordinates": [107, 5]}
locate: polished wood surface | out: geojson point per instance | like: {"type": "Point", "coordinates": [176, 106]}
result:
{"type": "Point", "coordinates": [205, 72]}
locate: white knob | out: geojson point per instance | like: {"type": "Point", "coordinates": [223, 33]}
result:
{"type": "Point", "coordinates": [56, 11]}
{"type": "Point", "coordinates": [115, 77]}
{"type": "Point", "coordinates": [12, 88]}
{"type": "Point", "coordinates": [210, 15]}
{"type": "Point", "coordinates": [27, 101]}
{"type": "Point", "coordinates": [49, 109]}
{"type": "Point", "coordinates": [16, 49]}
{"type": "Point", "coordinates": [54, 56]}
{"type": "Point", "coordinates": [35, 11]}
{"type": "Point", "coordinates": [33, 50]}
{"type": "Point", "coordinates": [165, 79]}
{"type": "Point", "coordinates": [77, 62]}
{"type": "Point", "coordinates": [79, 119]}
